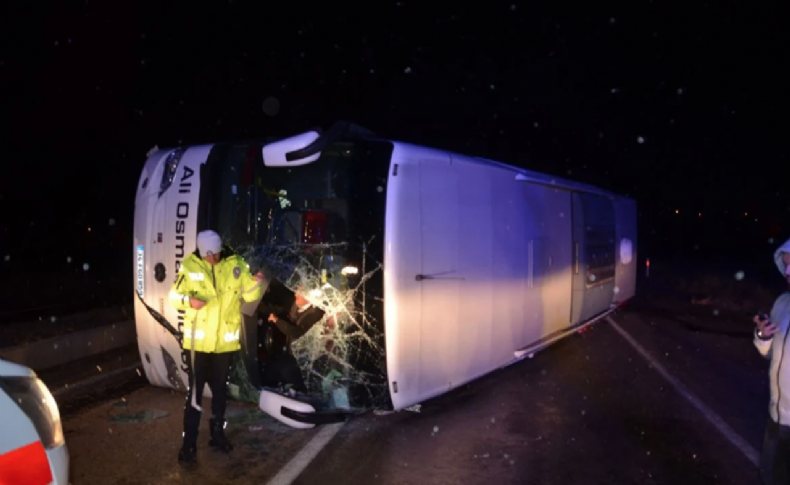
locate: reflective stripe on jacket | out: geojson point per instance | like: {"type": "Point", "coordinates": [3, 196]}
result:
{"type": "Point", "coordinates": [217, 326]}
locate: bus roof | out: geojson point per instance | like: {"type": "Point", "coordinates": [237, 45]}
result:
{"type": "Point", "coordinates": [355, 132]}
{"type": "Point", "coordinates": [520, 173]}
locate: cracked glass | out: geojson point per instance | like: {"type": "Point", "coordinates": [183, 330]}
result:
{"type": "Point", "coordinates": [319, 227]}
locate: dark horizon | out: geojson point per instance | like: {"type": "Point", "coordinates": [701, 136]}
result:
{"type": "Point", "coordinates": [673, 106]}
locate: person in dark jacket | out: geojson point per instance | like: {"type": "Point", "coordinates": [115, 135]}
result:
{"type": "Point", "coordinates": [297, 321]}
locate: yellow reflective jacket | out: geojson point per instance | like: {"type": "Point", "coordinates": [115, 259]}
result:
{"type": "Point", "coordinates": [215, 327]}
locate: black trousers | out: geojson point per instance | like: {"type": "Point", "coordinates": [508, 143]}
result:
{"type": "Point", "coordinates": [211, 369]}
{"type": "Point", "coordinates": [284, 369]}
{"type": "Point", "coordinates": [775, 457]}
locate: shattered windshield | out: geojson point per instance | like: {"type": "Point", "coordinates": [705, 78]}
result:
{"type": "Point", "coordinates": [319, 227]}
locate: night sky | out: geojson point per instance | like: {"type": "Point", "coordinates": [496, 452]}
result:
{"type": "Point", "coordinates": [677, 105]}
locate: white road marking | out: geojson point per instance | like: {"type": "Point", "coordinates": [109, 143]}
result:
{"type": "Point", "coordinates": [740, 443]}
{"type": "Point", "coordinates": [298, 463]}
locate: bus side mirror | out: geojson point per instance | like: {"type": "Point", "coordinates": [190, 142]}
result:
{"type": "Point", "coordinates": [274, 153]}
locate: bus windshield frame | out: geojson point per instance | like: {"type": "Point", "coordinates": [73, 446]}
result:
{"type": "Point", "coordinates": [319, 227]}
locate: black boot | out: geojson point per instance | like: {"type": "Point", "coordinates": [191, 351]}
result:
{"type": "Point", "coordinates": [188, 453]}
{"type": "Point", "coordinates": [187, 456]}
{"type": "Point", "coordinates": [218, 440]}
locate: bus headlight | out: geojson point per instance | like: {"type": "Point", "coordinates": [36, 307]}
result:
{"type": "Point", "coordinates": [35, 400]}
{"type": "Point", "coordinates": [169, 173]}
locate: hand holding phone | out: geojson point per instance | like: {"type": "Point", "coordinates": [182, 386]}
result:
{"type": "Point", "coordinates": [765, 329]}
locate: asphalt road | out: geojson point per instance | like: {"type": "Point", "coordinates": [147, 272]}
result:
{"type": "Point", "coordinates": [590, 409]}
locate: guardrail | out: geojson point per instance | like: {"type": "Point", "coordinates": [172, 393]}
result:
{"type": "Point", "coordinates": [55, 351]}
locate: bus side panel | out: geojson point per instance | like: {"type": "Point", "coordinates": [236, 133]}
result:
{"type": "Point", "coordinates": [516, 265]}
{"type": "Point", "coordinates": [479, 263]}
{"type": "Point", "coordinates": [440, 266]}
{"type": "Point", "coordinates": [402, 298]}
{"type": "Point", "coordinates": [547, 215]}
{"type": "Point", "coordinates": [625, 272]}
{"type": "Point", "coordinates": [498, 309]}
{"type": "Point", "coordinates": [512, 322]}
{"type": "Point", "coordinates": [174, 217]}
{"type": "Point", "coordinates": [476, 336]}
{"type": "Point", "coordinates": [498, 297]}
{"type": "Point", "coordinates": [494, 253]}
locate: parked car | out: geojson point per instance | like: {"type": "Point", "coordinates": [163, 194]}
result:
{"type": "Point", "coordinates": [32, 446]}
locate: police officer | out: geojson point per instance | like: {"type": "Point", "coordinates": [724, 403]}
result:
{"type": "Point", "coordinates": [211, 284]}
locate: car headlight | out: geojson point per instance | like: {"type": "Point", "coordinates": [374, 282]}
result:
{"type": "Point", "coordinates": [35, 400]}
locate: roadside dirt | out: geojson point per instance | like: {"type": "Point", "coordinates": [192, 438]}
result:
{"type": "Point", "coordinates": [135, 440]}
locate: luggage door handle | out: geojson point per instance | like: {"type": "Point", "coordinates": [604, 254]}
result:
{"type": "Point", "coordinates": [421, 277]}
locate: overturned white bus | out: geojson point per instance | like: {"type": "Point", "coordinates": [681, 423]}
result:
{"type": "Point", "coordinates": [433, 268]}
